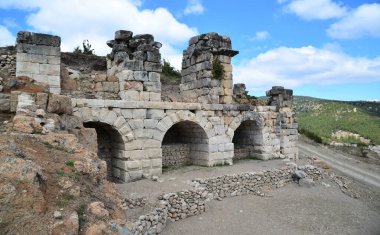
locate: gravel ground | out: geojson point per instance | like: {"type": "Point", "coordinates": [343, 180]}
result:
{"type": "Point", "coordinates": [322, 209]}
{"type": "Point", "coordinates": [290, 210]}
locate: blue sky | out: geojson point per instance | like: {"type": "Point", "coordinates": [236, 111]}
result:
{"type": "Point", "coordinates": [321, 48]}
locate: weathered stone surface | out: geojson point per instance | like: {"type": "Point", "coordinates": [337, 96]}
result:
{"type": "Point", "coordinates": [59, 104]}
{"type": "Point", "coordinates": [98, 210]}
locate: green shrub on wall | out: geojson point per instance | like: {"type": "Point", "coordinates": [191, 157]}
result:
{"type": "Point", "coordinates": [217, 70]}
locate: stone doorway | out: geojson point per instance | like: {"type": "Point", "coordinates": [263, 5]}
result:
{"type": "Point", "coordinates": [110, 148]}
{"type": "Point", "coordinates": [185, 143]}
{"type": "Point", "coordinates": [246, 139]}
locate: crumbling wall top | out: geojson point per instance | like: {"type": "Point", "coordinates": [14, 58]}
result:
{"type": "Point", "coordinates": [38, 39]}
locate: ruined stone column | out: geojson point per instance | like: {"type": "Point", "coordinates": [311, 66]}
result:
{"type": "Point", "coordinates": [287, 124]}
{"type": "Point", "coordinates": [207, 69]}
{"type": "Point", "coordinates": [136, 63]}
{"type": "Point", "coordinates": [39, 57]}
{"type": "Point", "coordinates": [280, 97]}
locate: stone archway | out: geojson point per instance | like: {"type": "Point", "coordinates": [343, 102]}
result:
{"type": "Point", "coordinates": [246, 139]}
{"type": "Point", "coordinates": [184, 143]}
{"type": "Point", "coordinates": [110, 148]}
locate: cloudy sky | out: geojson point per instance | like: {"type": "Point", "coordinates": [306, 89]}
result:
{"type": "Point", "coordinates": [321, 48]}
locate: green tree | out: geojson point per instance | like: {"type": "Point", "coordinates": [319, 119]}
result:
{"type": "Point", "coordinates": [169, 72]}
{"type": "Point", "coordinates": [87, 50]}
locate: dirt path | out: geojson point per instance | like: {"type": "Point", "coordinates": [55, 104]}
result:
{"type": "Point", "coordinates": [346, 164]}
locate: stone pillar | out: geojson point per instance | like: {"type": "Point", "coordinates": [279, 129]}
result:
{"type": "Point", "coordinates": [280, 97]}
{"type": "Point", "coordinates": [207, 69]}
{"type": "Point", "coordinates": [39, 57]}
{"type": "Point", "coordinates": [135, 61]}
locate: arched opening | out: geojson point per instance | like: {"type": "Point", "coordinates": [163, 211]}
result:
{"type": "Point", "coordinates": [110, 148]}
{"type": "Point", "coordinates": [247, 136]}
{"type": "Point", "coordinates": [184, 143]}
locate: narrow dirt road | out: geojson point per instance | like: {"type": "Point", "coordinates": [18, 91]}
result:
{"type": "Point", "coordinates": [344, 163]}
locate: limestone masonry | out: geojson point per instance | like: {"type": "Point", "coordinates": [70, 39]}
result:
{"type": "Point", "coordinates": [137, 133]}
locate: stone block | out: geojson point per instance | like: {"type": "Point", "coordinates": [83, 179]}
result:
{"type": "Point", "coordinates": [157, 163]}
{"type": "Point", "coordinates": [150, 123]}
{"type": "Point", "coordinates": [154, 77]}
{"type": "Point", "coordinates": [42, 100]}
{"type": "Point", "coordinates": [155, 113]}
{"type": "Point", "coordinates": [134, 65]}
{"type": "Point", "coordinates": [133, 165]}
{"type": "Point", "coordinates": [139, 113]}
{"type": "Point", "coordinates": [134, 175]}
{"type": "Point", "coordinates": [124, 75]}
{"type": "Point", "coordinates": [133, 85]}
{"type": "Point", "coordinates": [38, 39]}
{"type": "Point", "coordinates": [130, 95]}
{"type": "Point", "coordinates": [137, 154]}
{"type": "Point", "coordinates": [154, 96]}
{"type": "Point", "coordinates": [55, 60]}
{"type": "Point", "coordinates": [136, 124]}
{"type": "Point", "coordinates": [140, 76]}
{"type": "Point", "coordinates": [27, 68]}
{"type": "Point", "coordinates": [59, 104]}
{"type": "Point", "coordinates": [154, 153]}
{"type": "Point", "coordinates": [32, 58]}
{"type": "Point", "coordinates": [153, 67]}
{"type": "Point", "coordinates": [146, 164]}
{"type": "Point", "coordinates": [49, 69]}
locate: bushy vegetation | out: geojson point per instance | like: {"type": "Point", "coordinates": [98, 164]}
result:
{"type": "Point", "coordinates": [318, 119]}
{"type": "Point", "coordinates": [217, 70]}
{"type": "Point", "coordinates": [87, 50]}
{"type": "Point", "coordinates": [169, 72]}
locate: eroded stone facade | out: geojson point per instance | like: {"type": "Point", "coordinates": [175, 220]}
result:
{"type": "Point", "coordinates": [138, 133]}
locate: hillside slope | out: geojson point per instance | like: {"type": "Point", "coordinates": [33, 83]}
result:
{"type": "Point", "coordinates": [320, 118]}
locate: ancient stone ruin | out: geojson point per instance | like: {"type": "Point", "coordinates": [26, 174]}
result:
{"type": "Point", "coordinates": [138, 134]}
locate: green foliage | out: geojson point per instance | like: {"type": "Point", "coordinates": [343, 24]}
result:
{"type": "Point", "coordinates": [318, 119]}
{"type": "Point", "coordinates": [217, 70]}
{"type": "Point", "coordinates": [70, 163]}
{"type": "Point", "coordinates": [81, 210]}
{"type": "Point", "coordinates": [87, 50]}
{"type": "Point", "coordinates": [169, 72]}
{"type": "Point", "coordinates": [61, 172]}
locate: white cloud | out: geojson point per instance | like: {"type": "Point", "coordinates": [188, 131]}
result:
{"type": "Point", "coordinates": [316, 9]}
{"type": "Point", "coordinates": [293, 67]}
{"type": "Point", "coordinates": [363, 21]}
{"type": "Point", "coordinates": [98, 20]}
{"type": "Point", "coordinates": [6, 37]}
{"type": "Point", "coordinates": [194, 7]}
{"type": "Point", "coordinates": [261, 35]}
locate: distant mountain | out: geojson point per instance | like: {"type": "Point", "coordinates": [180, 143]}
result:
{"type": "Point", "coordinates": [319, 118]}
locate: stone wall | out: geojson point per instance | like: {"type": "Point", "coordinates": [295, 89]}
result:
{"type": "Point", "coordinates": [199, 84]}
{"type": "Point", "coordinates": [7, 62]}
{"type": "Point", "coordinates": [7, 72]}
{"type": "Point", "coordinates": [187, 203]}
{"type": "Point", "coordinates": [39, 57]}
{"type": "Point", "coordinates": [243, 151]}
{"type": "Point", "coordinates": [143, 126]}
{"type": "Point", "coordinates": [135, 62]}
{"type": "Point", "coordinates": [176, 154]}
{"type": "Point", "coordinates": [85, 76]}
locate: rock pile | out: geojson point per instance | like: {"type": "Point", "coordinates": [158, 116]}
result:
{"type": "Point", "coordinates": [135, 202]}
{"type": "Point", "coordinates": [207, 69]}
{"type": "Point", "coordinates": [136, 63]}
